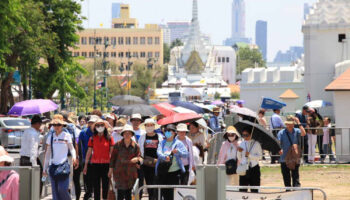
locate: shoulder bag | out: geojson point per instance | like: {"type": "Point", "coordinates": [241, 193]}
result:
{"type": "Point", "coordinates": [292, 157]}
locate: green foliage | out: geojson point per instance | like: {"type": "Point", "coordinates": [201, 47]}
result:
{"type": "Point", "coordinates": [166, 53]}
{"type": "Point", "coordinates": [235, 95]}
{"type": "Point", "coordinates": [248, 57]}
{"type": "Point", "coordinates": [217, 95]}
{"type": "Point", "coordinates": [176, 43]}
{"type": "Point", "coordinates": [141, 80]}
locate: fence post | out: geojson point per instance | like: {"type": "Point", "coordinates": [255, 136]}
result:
{"type": "Point", "coordinates": [211, 182]}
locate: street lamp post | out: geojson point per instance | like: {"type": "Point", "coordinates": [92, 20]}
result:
{"type": "Point", "coordinates": [95, 54]}
{"type": "Point", "coordinates": [104, 63]}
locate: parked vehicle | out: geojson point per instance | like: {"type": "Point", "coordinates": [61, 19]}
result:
{"type": "Point", "coordinates": [11, 131]}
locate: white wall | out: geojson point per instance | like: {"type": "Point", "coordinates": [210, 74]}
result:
{"type": "Point", "coordinates": [229, 68]}
{"type": "Point", "coordinates": [342, 120]}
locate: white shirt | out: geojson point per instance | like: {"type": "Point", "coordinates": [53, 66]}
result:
{"type": "Point", "coordinates": [231, 152]}
{"type": "Point", "coordinates": [254, 154]}
{"type": "Point", "coordinates": [30, 144]}
{"type": "Point", "coordinates": [60, 146]}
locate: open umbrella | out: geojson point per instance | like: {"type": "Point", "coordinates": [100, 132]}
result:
{"type": "Point", "coordinates": [188, 105]}
{"type": "Point", "coordinates": [165, 108]}
{"type": "Point", "coordinates": [269, 103]}
{"type": "Point", "coordinates": [246, 113]}
{"type": "Point", "coordinates": [318, 104]}
{"type": "Point", "coordinates": [260, 134]}
{"type": "Point", "coordinates": [179, 118]}
{"type": "Point", "coordinates": [144, 110]}
{"type": "Point", "coordinates": [32, 107]}
{"type": "Point", "coordinates": [122, 100]}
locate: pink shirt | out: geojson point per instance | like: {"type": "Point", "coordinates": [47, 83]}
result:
{"type": "Point", "coordinates": [10, 189]}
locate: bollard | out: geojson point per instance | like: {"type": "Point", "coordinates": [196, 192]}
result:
{"type": "Point", "coordinates": [211, 182]}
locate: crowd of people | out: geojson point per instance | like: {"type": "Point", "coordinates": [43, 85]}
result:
{"type": "Point", "coordinates": [116, 151]}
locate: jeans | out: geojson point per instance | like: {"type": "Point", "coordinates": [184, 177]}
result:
{"type": "Point", "coordinates": [60, 189]}
{"type": "Point", "coordinates": [76, 181]}
{"type": "Point", "coordinates": [149, 173]}
{"type": "Point", "coordinates": [328, 151]}
{"type": "Point", "coordinates": [124, 194]}
{"type": "Point", "coordinates": [184, 176]}
{"type": "Point", "coordinates": [100, 174]}
{"type": "Point", "coordinates": [88, 183]}
{"type": "Point", "coordinates": [171, 178]}
{"type": "Point", "coordinates": [312, 139]}
{"type": "Point", "coordinates": [286, 173]}
{"type": "Point", "coordinates": [252, 178]}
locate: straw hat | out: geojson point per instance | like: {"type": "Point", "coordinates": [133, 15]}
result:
{"type": "Point", "coordinates": [127, 127]}
{"type": "Point", "coordinates": [120, 124]}
{"type": "Point", "coordinates": [4, 156]}
{"type": "Point", "coordinates": [99, 121]}
{"type": "Point", "coordinates": [216, 110]}
{"type": "Point", "coordinates": [231, 129]}
{"type": "Point", "coordinates": [289, 120]}
{"type": "Point", "coordinates": [181, 128]}
{"type": "Point", "coordinates": [58, 121]}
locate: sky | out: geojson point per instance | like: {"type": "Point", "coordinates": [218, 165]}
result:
{"type": "Point", "coordinates": [284, 17]}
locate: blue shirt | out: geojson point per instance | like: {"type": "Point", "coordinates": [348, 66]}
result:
{"type": "Point", "coordinates": [214, 124]}
{"type": "Point", "coordinates": [84, 138]}
{"type": "Point", "coordinates": [284, 140]}
{"type": "Point", "coordinates": [276, 121]}
{"type": "Point", "coordinates": [302, 119]}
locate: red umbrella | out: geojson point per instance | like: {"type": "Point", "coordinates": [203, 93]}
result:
{"type": "Point", "coordinates": [165, 108]}
{"type": "Point", "coordinates": [179, 117]}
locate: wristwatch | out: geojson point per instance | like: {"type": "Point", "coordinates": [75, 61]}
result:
{"type": "Point", "coordinates": [299, 124]}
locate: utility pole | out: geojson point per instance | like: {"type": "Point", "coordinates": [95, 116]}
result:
{"type": "Point", "coordinates": [104, 63]}
{"type": "Point", "coordinates": [95, 41]}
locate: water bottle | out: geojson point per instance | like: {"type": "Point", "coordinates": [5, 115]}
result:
{"type": "Point", "coordinates": [43, 179]}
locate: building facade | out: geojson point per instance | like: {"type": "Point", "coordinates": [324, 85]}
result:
{"type": "Point", "coordinates": [178, 30]}
{"type": "Point", "coordinates": [127, 42]}
{"type": "Point", "coordinates": [261, 37]}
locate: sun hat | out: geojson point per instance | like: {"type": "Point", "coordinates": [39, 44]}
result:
{"type": "Point", "coordinates": [120, 124]}
{"type": "Point", "coordinates": [93, 118]}
{"type": "Point", "coordinates": [150, 121]}
{"type": "Point", "coordinates": [170, 127]}
{"type": "Point", "coordinates": [57, 116]}
{"type": "Point", "coordinates": [127, 127]}
{"type": "Point", "coordinates": [289, 120]}
{"type": "Point", "coordinates": [100, 121]}
{"type": "Point", "coordinates": [4, 156]}
{"type": "Point", "coordinates": [216, 110]}
{"type": "Point", "coordinates": [58, 121]}
{"type": "Point", "coordinates": [231, 129]}
{"type": "Point", "coordinates": [109, 115]}
{"type": "Point", "coordinates": [136, 116]}
{"type": "Point", "coordinates": [181, 128]}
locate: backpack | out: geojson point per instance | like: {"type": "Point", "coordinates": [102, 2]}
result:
{"type": "Point", "coordinates": [292, 157]}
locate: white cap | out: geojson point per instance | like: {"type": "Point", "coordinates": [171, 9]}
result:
{"type": "Point", "coordinates": [93, 118]}
{"type": "Point", "coordinates": [181, 127]}
{"type": "Point", "coordinates": [110, 116]}
{"type": "Point", "coordinates": [150, 121]}
{"type": "Point", "coordinates": [136, 116]}
{"type": "Point", "coordinates": [127, 127]}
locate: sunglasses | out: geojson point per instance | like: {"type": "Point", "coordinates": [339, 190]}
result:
{"type": "Point", "coordinates": [56, 125]}
{"type": "Point", "coordinates": [99, 125]}
{"type": "Point", "coordinates": [230, 134]}
{"type": "Point", "coordinates": [245, 135]}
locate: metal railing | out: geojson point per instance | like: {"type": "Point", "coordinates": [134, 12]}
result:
{"type": "Point", "coordinates": [159, 188]}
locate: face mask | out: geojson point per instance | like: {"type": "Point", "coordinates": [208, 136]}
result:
{"type": "Point", "coordinates": [100, 129]}
{"type": "Point", "coordinates": [168, 134]}
{"type": "Point", "coordinates": [231, 138]}
{"type": "Point", "coordinates": [150, 129]}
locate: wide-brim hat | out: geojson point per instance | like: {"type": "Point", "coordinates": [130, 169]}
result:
{"type": "Point", "coordinates": [136, 116]}
{"type": "Point", "coordinates": [289, 120]}
{"type": "Point", "coordinates": [216, 110]}
{"type": "Point", "coordinates": [127, 127]}
{"type": "Point", "coordinates": [181, 128]}
{"type": "Point", "coordinates": [109, 115]}
{"type": "Point", "coordinates": [231, 129]}
{"type": "Point", "coordinates": [150, 121]}
{"type": "Point", "coordinates": [120, 124]}
{"type": "Point", "coordinates": [4, 156]}
{"type": "Point", "coordinates": [58, 121]}
{"type": "Point", "coordinates": [93, 118]}
{"type": "Point", "coordinates": [100, 121]}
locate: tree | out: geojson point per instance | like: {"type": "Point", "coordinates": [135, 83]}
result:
{"type": "Point", "coordinates": [248, 57]}
{"type": "Point", "coordinates": [141, 80]}
{"type": "Point", "coordinates": [166, 53]}
{"type": "Point", "coordinates": [235, 95]}
{"type": "Point", "coordinates": [176, 43]}
{"type": "Point", "coordinates": [217, 95]}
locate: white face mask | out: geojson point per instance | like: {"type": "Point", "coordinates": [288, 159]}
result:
{"type": "Point", "coordinates": [149, 129]}
{"type": "Point", "coordinates": [232, 138]}
{"type": "Point", "coordinates": [100, 129]}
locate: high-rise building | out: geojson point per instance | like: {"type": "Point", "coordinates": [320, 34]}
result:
{"type": "Point", "coordinates": [307, 8]}
{"type": "Point", "coordinates": [238, 24]}
{"type": "Point", "coordinates": [292, 55]}
{"type": "Point", "coordinates": [261, 37]}
{"type": "Point", "coordinates": [115, 10]}
{"type": "Point", "coordinates": [166, 34]}
{"type": "Point", "coordinates": [178, 30]}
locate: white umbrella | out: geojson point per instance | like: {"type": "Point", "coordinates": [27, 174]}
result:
{"type": "Point", "coordinates": [318, 104]}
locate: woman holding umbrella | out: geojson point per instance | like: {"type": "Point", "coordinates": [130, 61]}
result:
{"type": "Point", "coordinates": [249, 155]}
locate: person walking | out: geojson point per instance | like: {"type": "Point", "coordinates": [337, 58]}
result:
{"type": "Point", "coordinates": [9, 185]}
{"type": "Point", "coordinates": [148, 147]}
{"type": "Point", "coordinates": [290, 137]}
{"type": "Point", "coordinates": [59, 143]}
{"type": "Point", "coordinates": [215, 121]}
{"type": "Point", "coordinates": [100, 149]}
{"type": "Point", "coordinates": [125, 159]}
{"type": "Point", "coordinates": [228, 155]}
{"type": "Point", "coordinates": [249, 153]}
{"type": "Point", "coordinates": [188, 162]}
{"type": "Point", "coordinates": [84, 138]}
{"type": "Point", "coordinates": [169, 164]}
{"type": "Point", "coordinates": [303, 118]}
{"type": "Point", "coordinates": [276, 124]}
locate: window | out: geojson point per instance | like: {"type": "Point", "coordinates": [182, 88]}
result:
{"type": "Point", "coordinates": [149, 40]}
{"type": "Point", "coordinates": [127, 54]}
{"type": "Point", "coordinates": [120, 40]}
{"type": "Point", "coordinates": [156, 40]}
{"type": "Point", "coordinates": [105, 39]}
{"type": "Point", "coordinates": [99, 54]}
{"type": "Point", "coordinates": [113, 54]}
{"type": "Point", "coordinates": [17, 122]}
{"type": "Point", "coordinates": [223, 59]}
{"type": "Point", "coordinates": [84, 54]}
{"type": "Point", "coordinates": [106, 54]}
{"type": "Point", "coordinates": [121, 54]}
{"type": "Point", "coordinates": [91, 40]}
{"type": "Point", "coordinates": [227, 59]}
{"type": "Point", "coordinates": [219, 59]}
{"type": "Point", "coordinates": [142, 40]}
{"type": "Point", "coordinates": [149, 54]}
{"type": "Point", "coordinates": [113, 41]}
{"type": "Point", "coordinates": [128, 40]}
{"type": "Point", "coordinates": [91, 54]}
{"type": "Point", "coordinates": [76, 54]}
{"type": "Point", "coordinates": [135, 40]}
{"type": "Point", "coordinates": [99, 40]}
{"type": "Point", "coordinates": [135, 54]}
{"type": "Point", "coordinates": [83, 40]}
{"type": "Point", "coordinates": [143, 54]}
{"type": "Point", "coordinates": [157, 54]}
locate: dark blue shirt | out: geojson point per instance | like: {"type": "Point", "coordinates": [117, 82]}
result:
{"type": "Point", "coordinates": [215, 124]}
{"type": "Point", "coordinates": [302, 119]}
{"type": "Point", "coordinates": [84, 138]}
{"type": "Point", "coordinates": [284, 140]}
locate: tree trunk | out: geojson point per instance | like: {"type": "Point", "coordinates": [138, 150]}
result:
{"type": "Point", "coordinates": [11, 99]}
{"type": "Point", "coordinates": [5, 85]}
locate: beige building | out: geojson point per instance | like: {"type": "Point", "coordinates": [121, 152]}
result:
{"type": "Point", "coordinates": [127, 42]}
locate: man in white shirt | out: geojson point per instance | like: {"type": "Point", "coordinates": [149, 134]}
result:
{"type": "Point", "coordinates": [30, 143]}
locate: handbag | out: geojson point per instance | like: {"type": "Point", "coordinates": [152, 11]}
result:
{"type": "Point", "coordinates": [112, 193]}
{"type": "Point", "coordinates": [292, 158]}
{"type": "Point", "coordinates": [231, 166]}
{"type": "Point", "coordinates": [59, 171]}
{"type": "Point", "coordinates": [149, 161]}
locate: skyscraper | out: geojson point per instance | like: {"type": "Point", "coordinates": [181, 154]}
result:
{"type": "Point", "coordinates": [261, 37]}
{"type": "Point", "coordinates": [178, 29]}
{"type": "Point", "coordinates": [307, 8]}
{"type": "Point", "coordinates": [115, 10]}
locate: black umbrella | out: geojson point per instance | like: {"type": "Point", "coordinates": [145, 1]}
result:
{"type": "Point", "coordinates": [260, 134]}
{"type": "Point", "coordinates": [122, 100]}
{"type": "Point", "coordinates": [144, 110]}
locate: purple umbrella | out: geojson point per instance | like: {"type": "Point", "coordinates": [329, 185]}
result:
{"type": "Point", "coordinates": [32, 107]}
{"type": "Point", "coordinates": [217, 102]}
